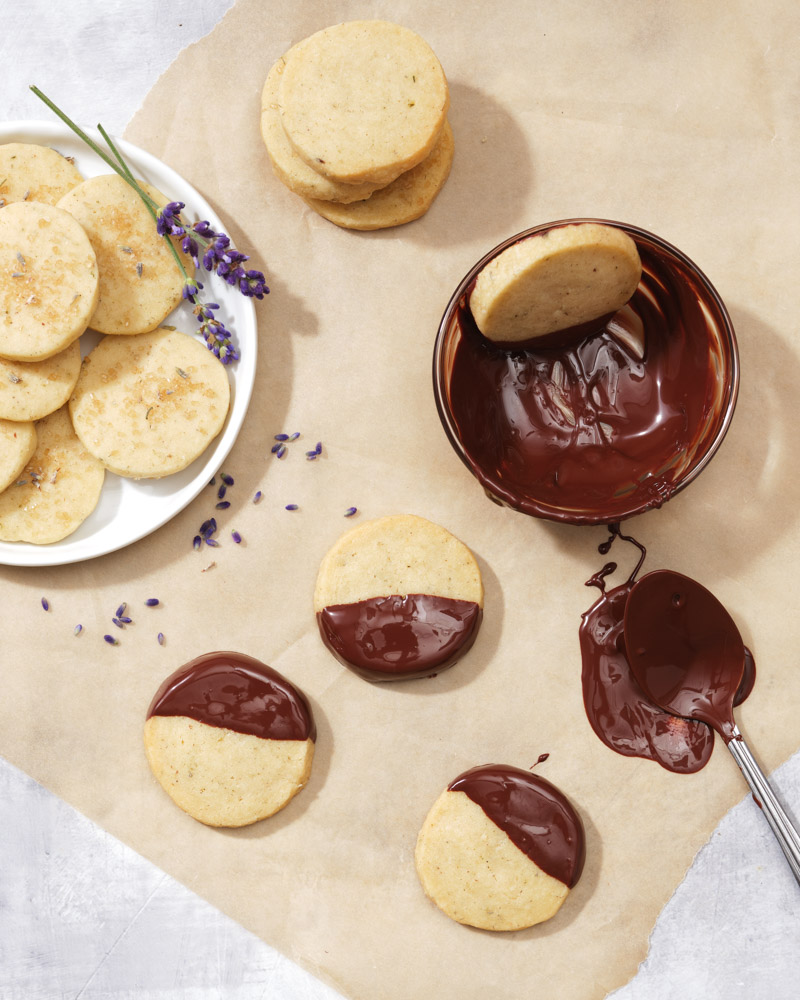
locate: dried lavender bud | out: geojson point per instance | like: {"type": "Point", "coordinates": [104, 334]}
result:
{"type": "Point", "coordinates": [228, 480]}
{"type": "Point", "coordinates": [212, 542]}
{"type": "Point", "coordinates": [45, 604]}
{"type": "Point", "coordinates": [197, 541]}
{"type": "Point", "coordinates": [292, 506]}
{"type": "Point", "coordinates": [221, 492]}
{"type": "Point", "coordinates": [222, 505]}
{"type": "Point", "coordinates": [295, 436]}
{"type": "Point", "coordinates": [126, 620]}
{"type": "Point", "coordinates": [350, 511]}
{"type": "Point", "coordinates": [236, 537]}
{"type": "Point", "coordinates": [77, 630]}
{"type": "Point", "coordinates": [161, 639]}
{"type": "Point", "coordinates": [281, 451]}
{"type": "Point", "coordinates": [121, 609]}
{"type": "Point", "coordinates": [118, 622]}
{"type": "Point", "coordinates": [281, 437]}
{"type": "Point", "coordinates": [111, 640]}
{"type": "Point", "coordinates": [257, 497]}
{"type": "Point", "coordinates": [152, 602]}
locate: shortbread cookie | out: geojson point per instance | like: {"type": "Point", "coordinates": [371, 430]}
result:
{"type": "Point", "coordinates": [56, 491]}
{"type": "Point", "coordinates": [17, 445]}
{"type": "Point", "coordinates": [397, 598]}
{"type": "Point", "coordinates": [229, 739]}
{"type": "Point", "coordinates": [29, 390]}
{"type": "Point", "coordinates": [140, 283]}
{"type": "Point", "coordinates": [287, 165]}
{"type": "Point", "coordinates": [363, 101]}
{"type": "Point", "coordinates": [562, 277]}
{"type": "Point", "coordinates": [404, 200]}
{"type": "Point", "coordinates": [48, 280]}
{"type": "Point", "coordinates": [35, 173]}
{"type": "Point", "coordinates": [500, 849]}
{"type": "Point", "coordinates": [149, 405]}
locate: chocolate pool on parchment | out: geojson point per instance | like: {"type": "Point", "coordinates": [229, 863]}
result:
{"type": "Point", "coordinates": [607, 420]}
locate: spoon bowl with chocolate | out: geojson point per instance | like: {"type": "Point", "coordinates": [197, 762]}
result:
{"type": "Point", "coordinates": [596, 419]}
{"type": "Point", "coordinates": [688, 657]}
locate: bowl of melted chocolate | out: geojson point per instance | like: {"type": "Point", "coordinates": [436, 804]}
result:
{"type": "Point", "coordinates": [601, 421]}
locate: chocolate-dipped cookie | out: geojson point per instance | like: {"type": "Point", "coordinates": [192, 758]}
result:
{"type": "Point", "coordinates": [398, 598]}
{"type": "Point", "coordinates": [500, 849]}
{"type": "Point", "coordinates": [229, 739]}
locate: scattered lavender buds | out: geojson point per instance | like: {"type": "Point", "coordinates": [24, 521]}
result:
{"type": "Point", "coordinates": [111, 640]}
{"type": "Point", "coordinates": [292, 506]}
{"type": "Point", "coordinates": [228, 480]}
{"type": "Point", "coordinates": [222, 505]}
{"type": "Point", "coordinates": [236, 537]}
{"type": "Point", "coordinates": [257, 496]}
{"type": "Point", "coordinates": [45, 604]}
{"type": "Point", "coordinates": [152, 602]}
{"type": "Point", "coordinates": [77, 630]}
{"type": "Point", "coordinates": [350, 511]}
{"type": "Point", "coordinates": [118, 622]}
{"type": "Point", "coordinates": [315, 453]}
{"type": "Point", "coordinates": [161, 639]}
{"type": "Point", "coordinates": [121, 609]}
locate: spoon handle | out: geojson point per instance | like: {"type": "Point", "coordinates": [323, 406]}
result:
{"type": "Point", "coordinates": [783, 828]}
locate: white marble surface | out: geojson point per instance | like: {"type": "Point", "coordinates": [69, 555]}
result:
{"type": "Point", "coordinates": [83, 916]}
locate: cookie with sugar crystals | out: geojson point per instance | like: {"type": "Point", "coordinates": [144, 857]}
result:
{"type": "Point", "coordinates": [29, 172]}
{"type": "Point", "coordinates": [363, 101]}
{"type": "Point", "coordinates": [550, 281]}
{"type": "Point", "coordinates": [405, 199]}
{"type": "Point", "coordinates": [140, 283]}
{"type": "Point", "coordinates": [500, 849]}
{"type": "Point", "coordinates": [17, 444]}
{"type": "Point", "coordinates": [48, 280]}
{"type": "Point", "coordinates": [29, 390]}
{"type": "Point", "coordinates": [148, 405]}
{"type": "Point", "coordinates": [288, 166]}
{"type": "Point", "coordinates": [397, 598]}
{"type": "Point", "coordinates": [56, 491]}
{"type": "Point", "coordinates": [229, 739]}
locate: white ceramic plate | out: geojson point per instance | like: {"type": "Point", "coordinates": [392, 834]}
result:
{"type": "Point", "coordinates": [130, 509]}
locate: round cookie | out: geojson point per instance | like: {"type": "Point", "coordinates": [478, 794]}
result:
{"type": "Point", "coordinates": [140, 283]}
{"type": "Point", "coordinates": [398, 598]}
{"type": "Point", "coordinates": [554, 280]}
{"type": "Point", "coordinates": [229, 739]}
{"type": "Point", "coordinates": [48, 280]}
{"type": "Point", "coordinates": [500, 849]}
{"type": "Point", "coordinates": [29, 390]}
{"type": "Point", "coordinates": [17, 444]}
{"type": "Point", "coordinates": [148, 405]}
{"type": "Point", "coordinates": [405, 199]}
{"type": "Point", "coordinates": [56, 491]}
{"type": "Point", "coordinates": [290, 168]}
{"type": "Point", "coordinates": [363, 101]}
{"type": "Point", "coordinates": [29, 172]}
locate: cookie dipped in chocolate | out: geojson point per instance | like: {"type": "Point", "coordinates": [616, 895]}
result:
{"type": "Point", "coordinates": [620, 713]}
{"type": "Point", "coordinates": [533, 813]}
{"type": "Point", "coordinates": [602, 421]}
{"type": "Point", "coordinates": [238, 692]}
{"type": "Point", "coordinates": [401, 636]}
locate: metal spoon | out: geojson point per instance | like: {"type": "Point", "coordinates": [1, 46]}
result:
{"type": "Point", "coordinates": [688, 656]}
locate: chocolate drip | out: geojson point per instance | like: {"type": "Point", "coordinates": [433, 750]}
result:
{"type": "Point", "coordinates": [400, 637]}
{"type": "Point", "coordinates": [621, 715]}
{"type": "Point", "coordinates": [235, 691]}
{"type": "Point", "coordinates": [534, 814]}
{"type": "Point", "coordinates": [589, 427]}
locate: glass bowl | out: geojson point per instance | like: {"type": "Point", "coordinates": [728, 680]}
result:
{"type": "Point", "coordinates": [608, 425]}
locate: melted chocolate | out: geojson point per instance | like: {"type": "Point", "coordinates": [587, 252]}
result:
{"type": "Point", "coordinates": [235, 691]}
{"type": "Point", "coordinates": [583, 428]}
{"type": "Point", "coordinates": [685, 649]}
{"type": "Point", "coordinates": [400, 637]}
{"type": "Point", "coordinates": [619, 711]}
{"type": "Point", "coordinates": [534, 814]}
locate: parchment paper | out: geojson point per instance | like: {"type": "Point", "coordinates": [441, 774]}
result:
{"type": "Point", "coordinates": [677, 117]}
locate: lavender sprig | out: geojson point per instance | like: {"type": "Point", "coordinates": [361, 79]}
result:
{"type": "Point", "coordinates": [218, 255]}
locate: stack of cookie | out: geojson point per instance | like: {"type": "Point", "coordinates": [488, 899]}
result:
{"type": "Point", "coordinates": [354, 122]}
{"type": "Point", "coordinates": [145, 402]}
